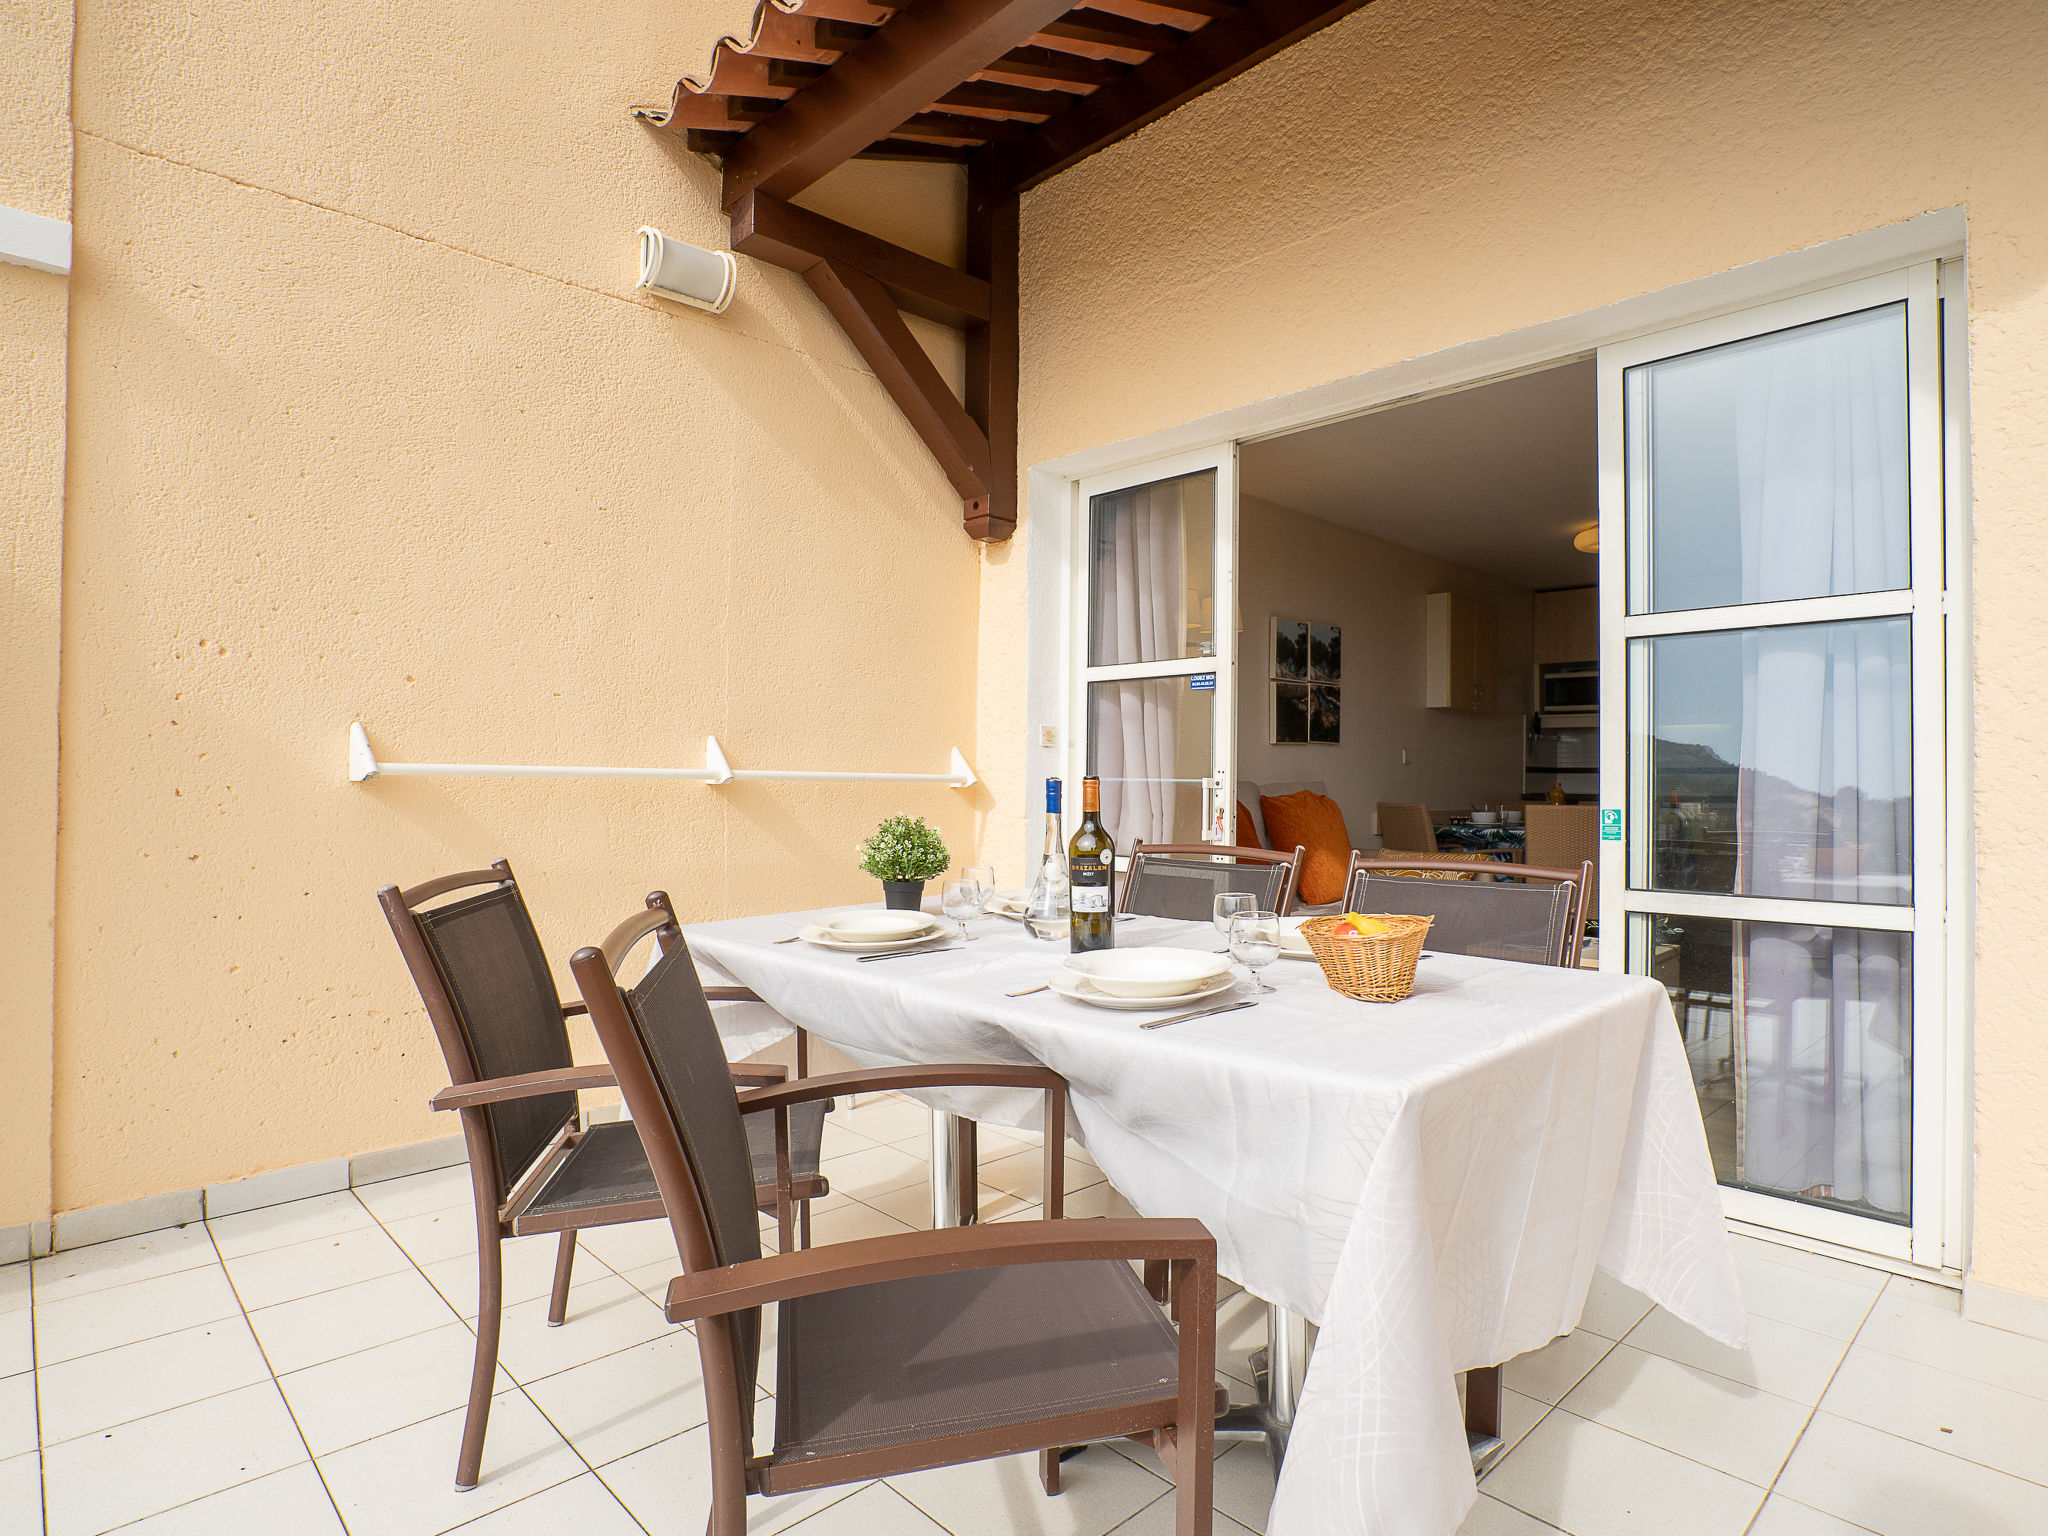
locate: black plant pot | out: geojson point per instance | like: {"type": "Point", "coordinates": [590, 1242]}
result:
{"type": "Point", "coordinates": [903, 895]}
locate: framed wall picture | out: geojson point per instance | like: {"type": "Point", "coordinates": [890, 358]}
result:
{"type": "Point", "coordinates": [1325, 652]}
{"type": "Point", "coordinates": [1290, 713]}
{"type": "Point", "coordinates": [1324, 717]}
{"type": "Point", "coordinates": [1290, 650]}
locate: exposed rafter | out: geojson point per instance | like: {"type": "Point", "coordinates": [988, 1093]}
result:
{"type": "Point", "coordinates": [1014, 90]}
{"type": "Point", "coordinates": [1220, 51]}
{"type": "Point", "coordinates": [889, 77]}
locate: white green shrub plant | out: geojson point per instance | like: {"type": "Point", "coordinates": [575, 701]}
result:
{"type": "Point", "coordinates": [905, 848]}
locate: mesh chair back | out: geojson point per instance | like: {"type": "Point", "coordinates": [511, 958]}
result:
{"type": "Point", "coordinates": [1186, 886]}
{"type": "Point", "coordinates": [1499, 919]}
{"type": "Point", "coordinates": [509, 1014]}
{"type": "Point", "coordinates": [665, 1039]}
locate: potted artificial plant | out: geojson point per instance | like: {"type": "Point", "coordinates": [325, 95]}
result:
{"type": "Point", "coordinates": [903, 853]}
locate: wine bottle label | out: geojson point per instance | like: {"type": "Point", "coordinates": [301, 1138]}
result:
{"type": "Point", "coordinates": [1091, 898]}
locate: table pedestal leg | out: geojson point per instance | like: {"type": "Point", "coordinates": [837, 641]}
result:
{"type": "Point", "coordinates": [1482, 1415]}
{"type": "Point", "coordinates": [953, 1167]}
{"type": "Point", "coordinates": [1276, 1373]}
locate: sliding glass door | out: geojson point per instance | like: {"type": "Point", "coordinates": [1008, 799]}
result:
{"type": "Point", "coordinates": [1775, 780]}
{"type": "Point", "coordinates": [1155, 714]}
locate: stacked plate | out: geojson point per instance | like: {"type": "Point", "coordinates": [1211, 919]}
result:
{"type": "Point", "coordinates": [870, 931]}
{"type": "Point", "coordinates": [1140, 979]}
{"type": "Point", "coordinates": [1292, 945]}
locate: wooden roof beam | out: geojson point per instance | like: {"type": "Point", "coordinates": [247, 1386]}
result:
{"type": "Point", "coordinates": [1043, 69]}
{"type": "Point", "coordinates": [1220, 51]}
{"type": "Point", "coordinates": [920, 55]}
{"type": "Point", "coordinates": [796, 239]}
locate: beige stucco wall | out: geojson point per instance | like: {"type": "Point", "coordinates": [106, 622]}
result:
{"type": "Point", "coordinates": [1429, 172]}
{"type": "Point", "coordinates": [368, 423]}
{"type": "Point", "coordinates": [35, 176]}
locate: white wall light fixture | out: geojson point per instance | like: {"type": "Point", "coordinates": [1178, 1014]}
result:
{"type": "Point", "coordinates": [688, 274]}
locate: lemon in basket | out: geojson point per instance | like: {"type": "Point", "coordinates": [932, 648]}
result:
{"type": "Point", "coordinates": [1362, 927]}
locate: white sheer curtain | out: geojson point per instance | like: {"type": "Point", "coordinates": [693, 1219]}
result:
{"type": "Point", "coordinates": [1824, 798]}
{"type": "Point", "coordinates": [1139, 598]}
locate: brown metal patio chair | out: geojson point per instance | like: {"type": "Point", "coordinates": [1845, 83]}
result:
{"type": "Point", "coordinates": [1183, 880]}
{"type": "Point", "coordinates": [1524, 913]}
{"type": "Point", "coordinates": [897, 1353]}
{"type": "Point", "coordinates": [534, 1167]}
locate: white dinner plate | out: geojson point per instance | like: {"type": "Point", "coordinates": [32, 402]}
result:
{"type": "Point", "coordinates": [868, 926]}
{"type": "Point", "coordinates": [1151, 973]}
{"type": "Point", "coordinates": [1009, 903]}
{"type": "Point", "coordinates": [813, 934]}
{"type": "Point", "coordinates": [1078, 988]}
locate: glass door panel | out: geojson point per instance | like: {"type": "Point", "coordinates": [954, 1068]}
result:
{"type": "Point", "coordinates": [1156, 555]}
{"type": "Point", "coordinates": [1800, 1039]}
{"type": "Point", "coordinates": [1777, 466]}
{"type": "Point", "coordinates": [1152, 572]}
{"type": "Point", "coordinates": [1781, 761]}
{"type": "Point", "coordinates": [1152, 743]}
{"type": "Point", "coordinates": [1771, 522]}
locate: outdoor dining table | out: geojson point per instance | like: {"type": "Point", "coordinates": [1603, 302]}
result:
{"type": "Point", "coordinates": [1433, 1182]}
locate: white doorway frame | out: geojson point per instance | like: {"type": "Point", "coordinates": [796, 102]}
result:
{"type": "Point", "coordinates": [1054, 490]}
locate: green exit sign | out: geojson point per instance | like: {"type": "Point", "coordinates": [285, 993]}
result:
{"type": "Point", "coordinates": [1610, 826]}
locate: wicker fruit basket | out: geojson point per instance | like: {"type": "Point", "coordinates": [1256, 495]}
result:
{"type": "Point", "coordinates": [1374, 968]}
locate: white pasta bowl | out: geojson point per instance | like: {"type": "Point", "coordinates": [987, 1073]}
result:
{"type": "Point", "coordinates": [1485, 818]}
{"type": "Point", "coordinates": [871, 927]}
{"type": "Point", "coordinates": [1148, 972]}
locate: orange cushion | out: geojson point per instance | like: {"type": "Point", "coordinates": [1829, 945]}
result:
{"type": "Point", "coordinates": [1314, 822]}
{"type": "Point", "coordinates": [1247, 829]}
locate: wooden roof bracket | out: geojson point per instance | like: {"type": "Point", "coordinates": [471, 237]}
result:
{"type": "Point", "coordinates": [823, 81]}
{"type": "Point", "coordinates": [862, 280]}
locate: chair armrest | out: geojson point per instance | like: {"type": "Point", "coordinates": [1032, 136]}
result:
{"type": "Point", "coordinates": [731, 995]}
{"type": "Point", "coordinates": [873, 1260]}
{"type": "Point", "coordinates": [762, 1073]}
{"type": "Point", "coordinates": [981, 1074]}
{"type": "Point", "coordinates": [527, 1085]}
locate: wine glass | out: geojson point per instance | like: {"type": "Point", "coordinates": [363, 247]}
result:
{"type": "Point", "coordinates": [1255, 943]}
{"type": "Point", "coordinates": [961, 899]}
{"type": "Point", "coordinates": [1228, 905]}
{"type": "Point", "coordinates": [984, 877]}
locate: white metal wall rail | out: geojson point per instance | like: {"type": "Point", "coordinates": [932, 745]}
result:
{"type": "Point", "coordinates": [364, 766]}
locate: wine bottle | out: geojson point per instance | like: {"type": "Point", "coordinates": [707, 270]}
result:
{"type": "Point", "coordinates": [1091, 873]}
{"type": "Point", "coordinates": [1045, 908]}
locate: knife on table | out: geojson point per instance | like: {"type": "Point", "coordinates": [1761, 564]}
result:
{"type": "Point", "coordinates": [1199, 1013]}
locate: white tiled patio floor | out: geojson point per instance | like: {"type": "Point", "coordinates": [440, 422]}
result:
{"type": "Point", "coordinates": [301, 1369]}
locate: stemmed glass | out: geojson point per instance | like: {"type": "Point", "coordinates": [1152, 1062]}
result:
{"type": "Point", "coordinates": [961, 899]}
{"type": "Point", "coordinates": [983, 875]}
{"type": "Point", "coordinates": [1228, 905]}
{"type": "Point", "coordinates": [1255, 943]}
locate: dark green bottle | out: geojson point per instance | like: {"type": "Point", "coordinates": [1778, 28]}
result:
{"type": "Point", "coordinates": [1091, 874]}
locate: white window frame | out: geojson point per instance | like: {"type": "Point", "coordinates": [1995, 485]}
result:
{"type": "Point", "coordinates": [1221, 460]}
{"type": "Point", "coordinates": [1934, 446]}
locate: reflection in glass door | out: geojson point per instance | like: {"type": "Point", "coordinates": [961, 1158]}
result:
{"type": "Point", "coordinates": [1772, 579]}
{"type": "Point", "coordinates": [1156, 640]}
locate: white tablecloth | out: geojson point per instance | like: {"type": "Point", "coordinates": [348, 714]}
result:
{"type": "Point", "coordinates": [1433, 1182]}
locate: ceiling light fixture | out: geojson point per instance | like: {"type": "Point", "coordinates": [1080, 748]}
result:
{"type": "Point", "coordinates": [1587, 540]}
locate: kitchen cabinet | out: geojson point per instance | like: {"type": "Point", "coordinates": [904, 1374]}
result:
{"type": "Point", "coordinates": [1457, 652]}
{"type": "Point", "coordinates": [1566, 625]}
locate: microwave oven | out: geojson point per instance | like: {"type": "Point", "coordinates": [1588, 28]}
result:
{"type": "Point", "coordinates": [1568, 692]}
